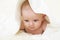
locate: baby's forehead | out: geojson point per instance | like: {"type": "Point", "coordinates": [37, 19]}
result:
{"type": "Point", "coordinates": [32, 17]}
{"type": "Point", "coordinates": [28, 13]}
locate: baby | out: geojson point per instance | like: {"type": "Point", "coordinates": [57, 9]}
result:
{"type": "Point", "coordinates": [32, 22]}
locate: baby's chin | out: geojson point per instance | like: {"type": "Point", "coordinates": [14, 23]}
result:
{"type": "Point", "coordinates": [32, 29]}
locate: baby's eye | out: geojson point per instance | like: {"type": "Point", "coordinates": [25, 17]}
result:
{"type": "Point", "coordinates": [35, 20]}
{"type": "Point", "coordinates": [26, 20]}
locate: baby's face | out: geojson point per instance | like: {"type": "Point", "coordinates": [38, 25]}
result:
{"type": "Point", "coordinates": [31, 20]}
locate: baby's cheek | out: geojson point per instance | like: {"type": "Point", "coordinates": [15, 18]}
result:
{"type": "Point", "coordinates": [38, 23]}
{"type": "Point", "coordinates": [26, 24]}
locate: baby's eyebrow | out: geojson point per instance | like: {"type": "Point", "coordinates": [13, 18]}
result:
{"type": "Point", "coordinates": [36, 19]}
{"type": "Point", "coordinates": [26, 19]}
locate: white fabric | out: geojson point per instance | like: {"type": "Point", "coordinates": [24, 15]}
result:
{"type": "Point", "coordinates": [49, 34]}
{"type": "Point", "coordinates": [8, 22]}
{"type": "Point", "coordinates": [40, 6]}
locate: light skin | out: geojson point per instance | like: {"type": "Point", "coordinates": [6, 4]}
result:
{"type": "Point", "coordinates": [32, 22]}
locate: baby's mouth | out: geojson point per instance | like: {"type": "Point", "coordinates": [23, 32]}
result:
{"type": "Point", "coordinates": [31, 28]}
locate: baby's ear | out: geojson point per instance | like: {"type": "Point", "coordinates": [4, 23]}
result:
{"type": "Point", "coordinates": [47, 19]}
{"type": "Point", "coordinates": [44, 25]}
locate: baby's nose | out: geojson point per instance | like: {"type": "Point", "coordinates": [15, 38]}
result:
{"type": "Point", "coordinates": [31, 23]}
